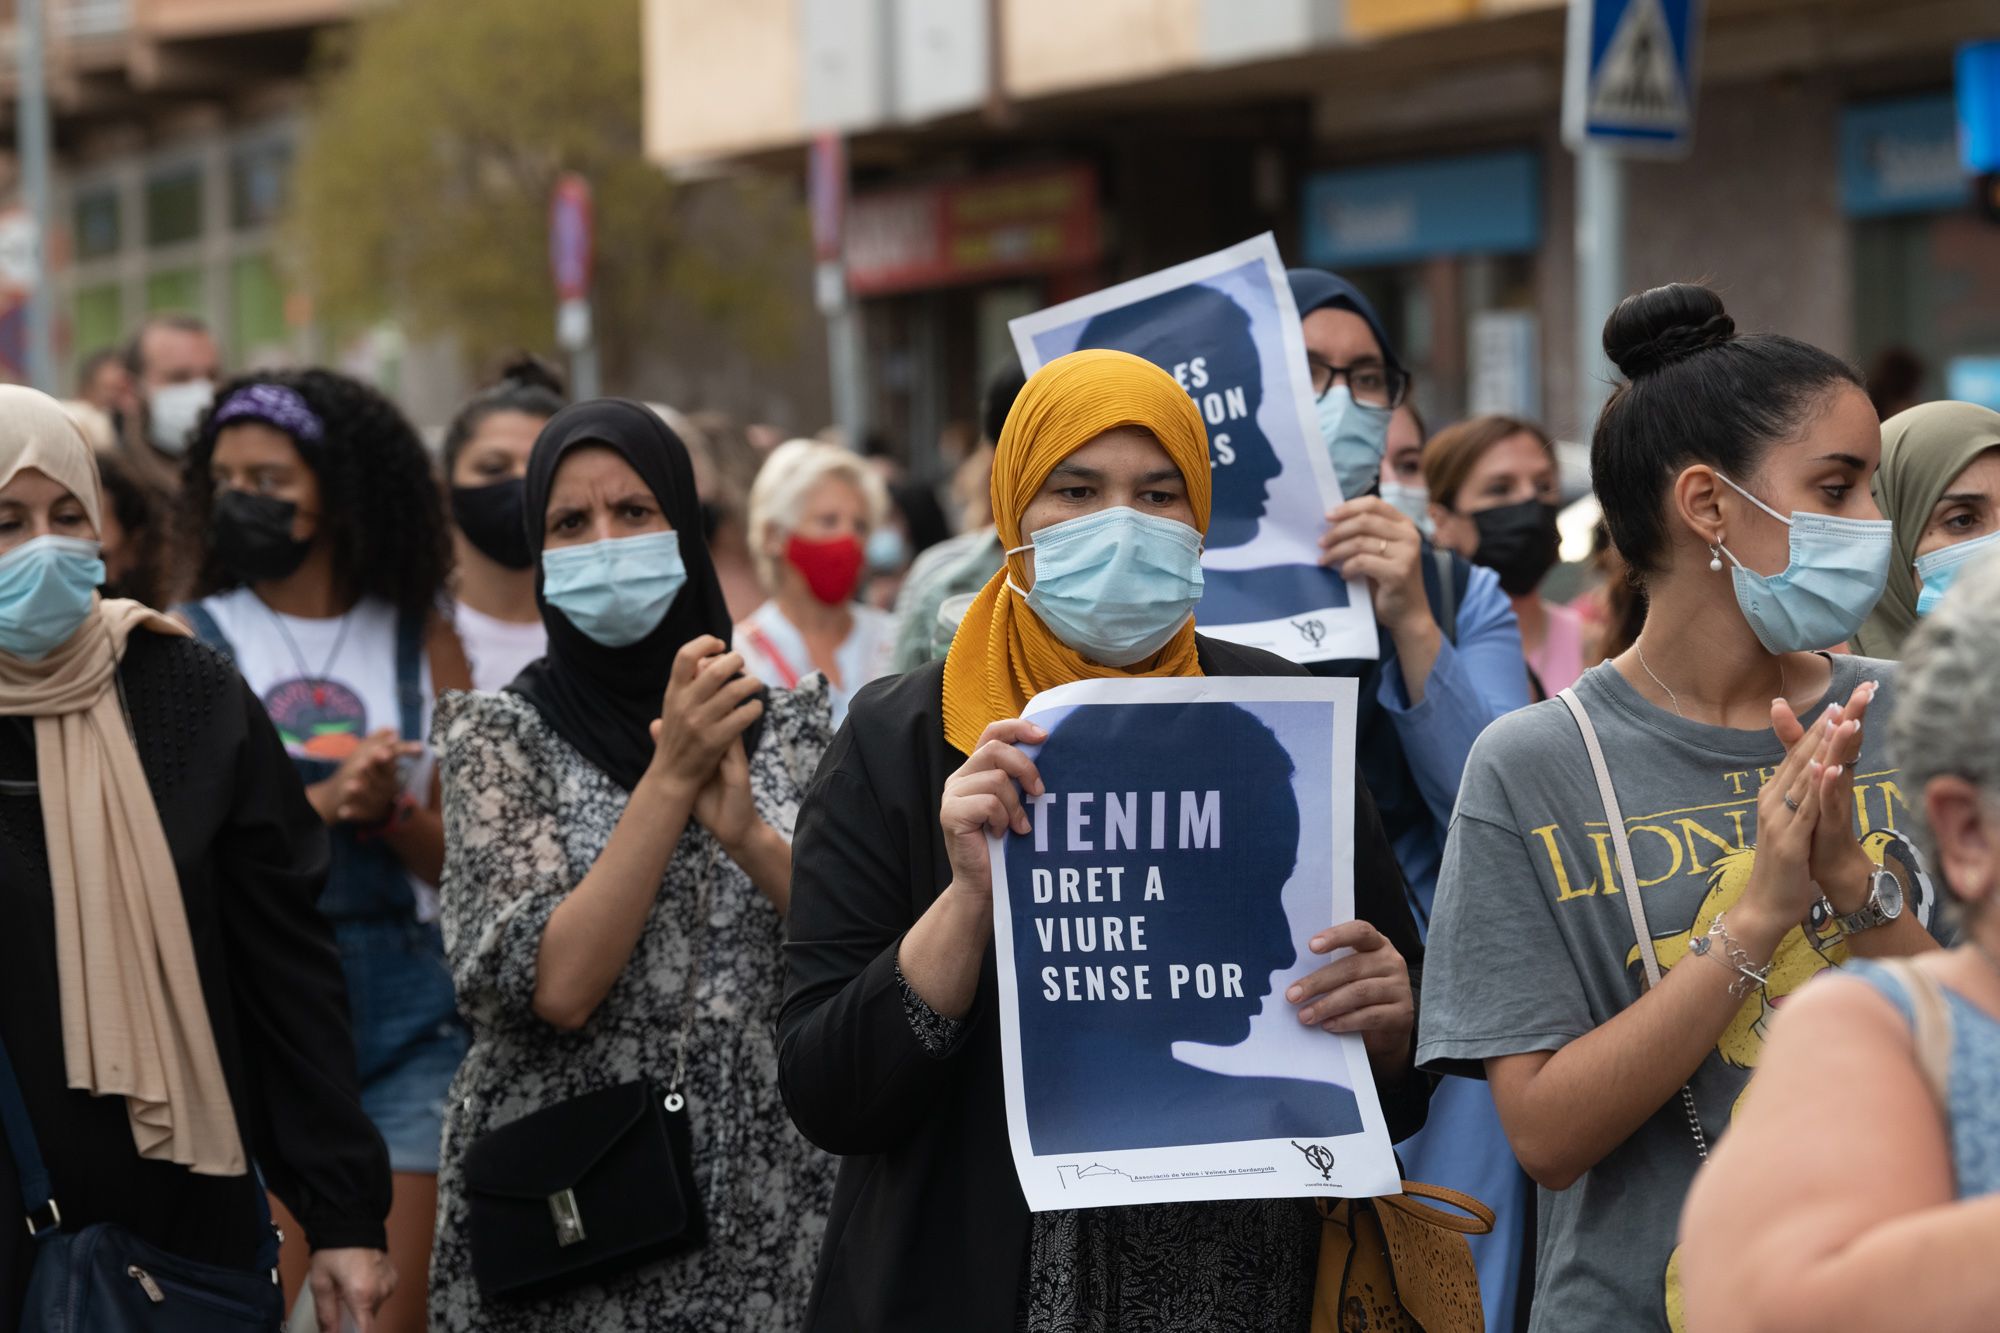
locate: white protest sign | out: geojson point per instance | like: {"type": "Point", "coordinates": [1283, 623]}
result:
{"type": "Point", "coordinates": [1193, 836]}
{"type": "Point", "coordinates": [1226, 328]}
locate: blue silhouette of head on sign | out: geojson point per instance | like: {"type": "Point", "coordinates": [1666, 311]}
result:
{"type": "Point", "coordinates": [1203, 794]}
{"type": "Point", "coordinates": [1202, 338]}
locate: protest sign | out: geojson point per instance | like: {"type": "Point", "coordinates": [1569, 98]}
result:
{"type": "Point", "coordinates": [1227, 329]}
{"type": "Point", "coordinates": [1192, 837]}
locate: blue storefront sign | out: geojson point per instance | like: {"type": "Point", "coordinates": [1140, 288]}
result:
{"type": "Point", "coordinates": [1978, 68]}
{"type": "Point", "coordinates": [1900, 157]}
{"type": "Point", "coordinates": [1973, 379]}
{"type": "Point", "coordinates": [1486, 203]}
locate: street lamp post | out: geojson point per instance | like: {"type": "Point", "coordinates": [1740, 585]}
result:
{"type": "Point", "coordinates": [31, 129]}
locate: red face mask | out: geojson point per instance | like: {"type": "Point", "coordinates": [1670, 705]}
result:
{"type": "Point", "coordinates": [832, 567]}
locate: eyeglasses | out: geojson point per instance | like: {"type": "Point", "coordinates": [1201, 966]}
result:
{"type": "Point", "coordinates": [1372, 383]}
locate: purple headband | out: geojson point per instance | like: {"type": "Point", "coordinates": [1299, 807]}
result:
{"type": "Point", "coordinates": [274, 405]}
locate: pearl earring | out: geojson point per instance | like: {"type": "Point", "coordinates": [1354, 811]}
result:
{"type": "Point", "coordinates": [1714, 558]}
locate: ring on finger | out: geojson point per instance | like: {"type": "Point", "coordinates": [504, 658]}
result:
{"type": "Point", "coordinates": [1791, 804]}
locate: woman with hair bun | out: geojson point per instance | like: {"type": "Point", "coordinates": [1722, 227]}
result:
{"type": "Point", "coordinates": [1754, 803]}
{"type": "Point", "coordinates": [485, 466]}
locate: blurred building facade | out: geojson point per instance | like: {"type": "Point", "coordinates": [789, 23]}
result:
{"type": "Point", "coordinates": [176, 123]}
{"type": "Point", "coordinates": [1004, 154]}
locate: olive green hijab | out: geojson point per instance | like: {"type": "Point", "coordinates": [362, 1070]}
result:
{"type": "Point", "coordinates": [1923, 451]}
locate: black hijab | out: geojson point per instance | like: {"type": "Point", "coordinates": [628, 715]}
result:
{"type": "Point", "coordinates": [603, 700]}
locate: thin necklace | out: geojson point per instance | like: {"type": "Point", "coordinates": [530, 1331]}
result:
{"type": "Point", "coordinates": [319, 682]}
{"type": "Point", "coordinates": [1675, 701]}
{"type": "Point", "coordinates": [1657, 681]}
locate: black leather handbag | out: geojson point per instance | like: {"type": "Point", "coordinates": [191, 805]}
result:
{"type": "Point", "coordinates": [104, 1279]}
{"type": "Point", "coordinates": [588, 1187]}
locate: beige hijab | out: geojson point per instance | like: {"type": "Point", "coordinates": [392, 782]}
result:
{"type": "Point", "coordinates": [1923, 451]}
{"type": "Point", "coordinates": [134, 1021]}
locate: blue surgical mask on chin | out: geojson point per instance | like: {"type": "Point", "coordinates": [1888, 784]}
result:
{"type": "Point", "coordinates": [616, 591]}
{"type": "Point", "coordinates": [1828, 588]}
{"type": "Point", "coordinates": [1937, 569]}
{"type": "Point", "coordinates": [1115, 585]}
{"type": "Point", "coordinates": [45, 591]}
{"type": "Point", "coordinates": [1356, 437]}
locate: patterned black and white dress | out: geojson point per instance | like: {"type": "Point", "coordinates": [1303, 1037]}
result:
{"type": "Point", "coordinates": [526, 817]}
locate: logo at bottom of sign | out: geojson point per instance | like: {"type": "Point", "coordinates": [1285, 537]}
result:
{"type": "Point", "coordinates": [1318, 1156]}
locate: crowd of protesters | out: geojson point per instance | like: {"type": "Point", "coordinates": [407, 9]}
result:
{"type": "Point", "coordinates": [391, 836]}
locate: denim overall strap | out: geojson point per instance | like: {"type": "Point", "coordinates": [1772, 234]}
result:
{"type": "Point", "coordinates": [410, 628]}
{"type": "Point", "coordinates": [205, 628]}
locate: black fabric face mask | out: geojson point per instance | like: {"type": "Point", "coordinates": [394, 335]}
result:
{"type": "Point", "coordinates": [494, 519]}
{"type": "Point", "coordinates": [252, 535]}
{"type": "Point", "coordinates": [1519, 543]}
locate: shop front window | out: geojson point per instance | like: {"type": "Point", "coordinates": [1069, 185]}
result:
{"type": "Point", "coordinates": [173, 206]}
{"type": "Point", "coordinates": [175, 290]}
{"type": "Point", "coordinates": [97, 222]}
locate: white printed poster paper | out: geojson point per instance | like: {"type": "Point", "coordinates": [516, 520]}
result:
{"type": "Point", "coordinates": [1226, 328]}
{"type": "Point", "coordinates": [1193, 836]}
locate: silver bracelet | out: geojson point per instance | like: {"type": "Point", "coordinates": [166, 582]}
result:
{"type": "Point", "coordinates": [1720, 945]}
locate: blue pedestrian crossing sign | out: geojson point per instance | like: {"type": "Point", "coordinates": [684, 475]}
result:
{"type": "Point", "coordinates": [1629, 72]}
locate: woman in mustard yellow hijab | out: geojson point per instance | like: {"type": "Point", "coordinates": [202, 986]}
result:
{"type": "Point", "coordinates": [889, 1039]}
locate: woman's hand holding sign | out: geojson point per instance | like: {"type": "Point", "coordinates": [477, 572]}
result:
{"type": "Point", "coordinates": [1372, 539]}
{"type": "Point", "coordinates": [942, 954]}
{"type": "Point", "coordinates": [984, 797]}
{"type": "Point", "coordinates": [1366, 992]}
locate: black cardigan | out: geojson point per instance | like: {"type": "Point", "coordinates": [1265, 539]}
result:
{"type": "Point", "coordinates": [929, 1228]}
{"type": "Point", "coordinates": [251, 856]}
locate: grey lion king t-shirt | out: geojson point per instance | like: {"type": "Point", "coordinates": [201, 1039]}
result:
{"type": "Point", "coordinates": [1531, 945]}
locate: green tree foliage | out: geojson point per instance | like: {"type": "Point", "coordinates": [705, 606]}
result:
{"type": "Point", "coordinates": [423, 188]}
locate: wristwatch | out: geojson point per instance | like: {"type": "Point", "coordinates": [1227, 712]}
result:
{"type": "Point", "coordinates": [1885, 904]}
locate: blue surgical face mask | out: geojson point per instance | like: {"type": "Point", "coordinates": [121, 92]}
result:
{"type": "Point", "coordinates": [1937, 569]}
{"type": "Point", "coordinates": [45, 591]}
{"type": "Point", "coordinates": [1115, 585]}
{"type": "Point", "coordinates": [1836, 574]}
{"type": "Point", "coordinates": [1413, 502]}
{"type": "Point", "coordinates": [1356, 436]}
{"type": "Point", "coordinates": [617, 591]}
{"type": "Point", "coordinates": [887, 550]}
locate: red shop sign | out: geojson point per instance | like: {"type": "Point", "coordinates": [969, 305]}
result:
{"type": "Point", "coordinates": [989, 227]}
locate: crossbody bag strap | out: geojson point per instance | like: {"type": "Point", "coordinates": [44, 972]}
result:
{"type": "Point", "coordinates": [37, 1198]}
{"type": "Point", "coordinates": [1621, 844]}
{"type": "Point", "coordinates": [1621, 848]}
{"type": "Point", "coordinates": [762, 643]}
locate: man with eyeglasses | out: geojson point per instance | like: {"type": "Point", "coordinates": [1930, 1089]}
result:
{"type": "Point", "coordinates": [1450, 662]}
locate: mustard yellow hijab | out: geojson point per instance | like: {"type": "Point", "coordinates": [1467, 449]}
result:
{"type": "Point", "coordinates": [1923, 451]}
{"type": "Point", "coordinates": [1003, 655]}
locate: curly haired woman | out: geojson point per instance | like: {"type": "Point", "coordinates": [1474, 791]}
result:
{"type": "Point", "coordinates": [319, 543]}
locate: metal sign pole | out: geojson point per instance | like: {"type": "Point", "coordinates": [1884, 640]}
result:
{"type": "Point", "coordinates": [572, 260]}
{"type": "Point", "coordinates": [1630, 84]}
{"type": "Point", "coordinates": [1600, 274]}
{"type": "Point", "coordinates": [31, 121]}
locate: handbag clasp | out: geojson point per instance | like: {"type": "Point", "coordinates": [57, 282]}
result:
{"type": "Point", "coordinates": [568, 1219]}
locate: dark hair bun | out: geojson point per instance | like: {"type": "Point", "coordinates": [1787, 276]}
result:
{"type": "Point", "coordinates": [1653, 329]}
{"type": "Point", "coordinates": [528, 371]}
